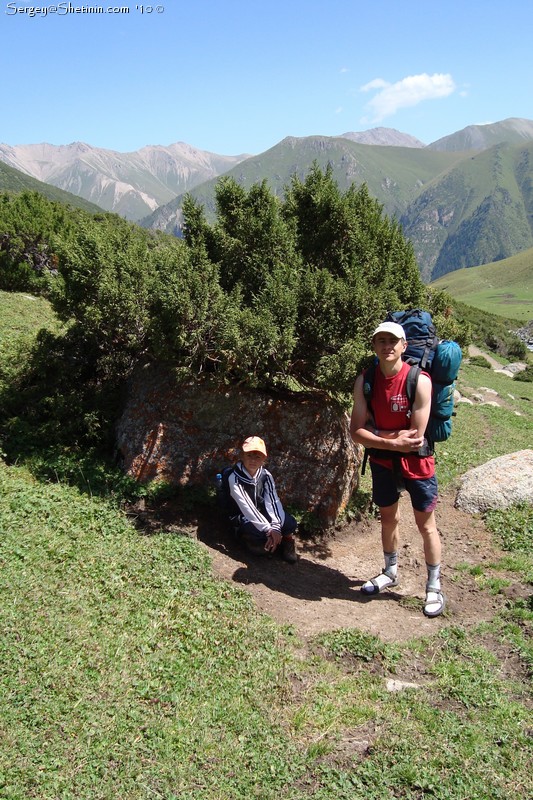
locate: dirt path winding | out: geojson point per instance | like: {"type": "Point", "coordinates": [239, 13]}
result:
{"type": "Point", "coordinates": [475, 351]}
{"type": "Point", "coordinates": [322, 591]}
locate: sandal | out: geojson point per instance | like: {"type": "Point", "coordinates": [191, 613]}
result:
{"type": "Point", "coordinates": [435, 603]}
{"type": "Point", "coordinates": [377, 584]}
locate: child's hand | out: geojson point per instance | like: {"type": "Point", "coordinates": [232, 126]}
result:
{"type": "Point", "coordinates": [273, 540]}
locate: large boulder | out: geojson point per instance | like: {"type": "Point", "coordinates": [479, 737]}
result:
{"type": "Point", "coordinates": [499, 483]}
{"type": "Point", "coordinates": [185, 433]}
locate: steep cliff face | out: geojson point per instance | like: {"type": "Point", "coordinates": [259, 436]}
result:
{"type": "Point", "coordinates": [184, 434]}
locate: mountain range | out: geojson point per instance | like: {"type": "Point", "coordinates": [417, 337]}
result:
{"type": "Point", "coordinates": [129, 184]}
{"type": "Point", "coordinates": [464, 200]}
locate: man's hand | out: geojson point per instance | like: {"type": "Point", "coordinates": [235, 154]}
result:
{"type": "Point", "coordinates": [407, 441]}
{"type": "Point", "coordinates": [273, 540]}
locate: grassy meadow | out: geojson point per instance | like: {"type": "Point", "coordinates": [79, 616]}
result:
{"type": "Point", "coordinates": [129, 671]}
{"type": "Point", "coordinates": [484, 432]}
{"type": "Point", "coordinates": [503, 287]}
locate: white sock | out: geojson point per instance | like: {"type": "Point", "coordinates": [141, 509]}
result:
{"type": "Point", "coordinates": [433, 584]}
{"type": "Point", "coordinates": [391, 563]}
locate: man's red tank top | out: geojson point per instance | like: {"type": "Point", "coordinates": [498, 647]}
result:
{"type": "Point", "coordinates": [390, 406]}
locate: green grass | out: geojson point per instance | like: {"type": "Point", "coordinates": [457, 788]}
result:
{"type": "Point", "coordinates": [503, 287]}
{"type": "Point", "coordinates": [21, 316]}
{"type": "Point", "coordinates": [128, 671]}
{"type": "Point", "coordinates": [480, 433]}
{"type": "Point", "coordinates": [514, 528]}
{"type": "Point", "coordinates": [126, 667]}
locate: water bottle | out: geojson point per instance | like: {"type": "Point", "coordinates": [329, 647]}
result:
{"type": "Point", "coordinates": [218, 487]}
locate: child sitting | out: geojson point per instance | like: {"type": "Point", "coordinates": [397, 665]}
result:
{"type": "Point", "coordinates": [260, 520]}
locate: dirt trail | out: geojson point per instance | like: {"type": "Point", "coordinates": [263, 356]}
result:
{"type": "Point", "coordinates": [475, 351]}
{"type": "Point", "coordinates": [322, 591]}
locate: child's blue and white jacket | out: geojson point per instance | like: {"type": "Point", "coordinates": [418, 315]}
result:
{"type": "Point", "coordinates": [256, 498]}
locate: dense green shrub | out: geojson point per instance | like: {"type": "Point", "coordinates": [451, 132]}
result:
{"type": "Point", "coordinates": [276, 294]}
{"type": "Point", "coordinates": [480, 361]}
{"type": "Point", "coordinates": [491, 332]}
{"type": "Point", "coordinates": [30, 226]}
{"type": "Point", "coordinates": [307, 279]}
{"type": "Point", "coordinates": [525, 375]}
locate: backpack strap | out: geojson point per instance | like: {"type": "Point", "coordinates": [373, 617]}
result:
{"type": "Point", "coordinates": [411, 383]}
{"type": "Point", "coordinates": [228, 504]}
{"type": "Point", "coordinates": [368, 387]}
{"type": "Point", "coordinates": [369, 376]}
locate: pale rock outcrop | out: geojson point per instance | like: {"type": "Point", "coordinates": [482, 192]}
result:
{"type": "Point", "coordinates": [185, 433]}
{"type": "Point", "coordinates": [499, 483]}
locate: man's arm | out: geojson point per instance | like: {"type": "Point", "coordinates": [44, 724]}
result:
{"type": "Point", "coordinates": [421, 405]}
{"type": "Point", "coordinates": [363, 432]}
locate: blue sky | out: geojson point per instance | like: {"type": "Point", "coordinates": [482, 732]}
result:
{"type": "Point", "coordinates": [237, 77]}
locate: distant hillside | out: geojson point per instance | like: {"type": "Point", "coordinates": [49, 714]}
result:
{"type": "Point", "coordinates": [130, 184]}
{"type": "Point", "coordinates": [479, 211]}
{"type": "Point", "coordinates": [387, 137]}
{"type": "Point", "coordinates": [11, 180]}
{"type": "Point", "coordinates": [394, 175]}
{"type": "Point", "coordinates": [458, 209]}
{"type": "Point", "coordinates": [504, 287]}
{"type": "Point", "coordinates": [481, 137]}
{"type": "Point", "coordinates": [462, 201]}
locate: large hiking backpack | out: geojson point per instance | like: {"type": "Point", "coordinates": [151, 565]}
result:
{"type": "Point", "coordinates": [440, 358]}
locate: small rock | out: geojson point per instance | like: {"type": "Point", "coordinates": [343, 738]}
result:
{"type": "Point", "coordinates": [399, 686]}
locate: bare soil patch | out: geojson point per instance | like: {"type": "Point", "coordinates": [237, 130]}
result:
{"type": "Point", "coordinates": [322, 591]}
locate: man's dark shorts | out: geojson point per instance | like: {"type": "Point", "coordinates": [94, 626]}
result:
{"type": "Point", "coordinates": [423, 491]}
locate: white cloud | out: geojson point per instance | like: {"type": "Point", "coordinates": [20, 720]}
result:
{"type": "Point", "coordinates": [377, 83]}
{"type": "Point", "coordinates": [406, 93]}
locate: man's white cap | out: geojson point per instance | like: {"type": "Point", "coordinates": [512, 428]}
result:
{"type": "Point", "coordinates": [390, 327]}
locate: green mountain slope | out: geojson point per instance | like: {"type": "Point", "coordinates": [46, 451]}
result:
{"type": "Point", "coordinates": [394, 175]}
{"type": "Point", "coordinates": [503, 287]}
{"type": "Point", "coordinates": [480, 137]}
{"type": "Point", "coordinates": [479, 211]}
{"type": "Point", "coordinates": [458, 209]}
{"type": "Point", "coordinates": [11, 180]}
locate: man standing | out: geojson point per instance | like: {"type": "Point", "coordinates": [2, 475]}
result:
{"type": "Point", "coordinates": [393, 430]}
